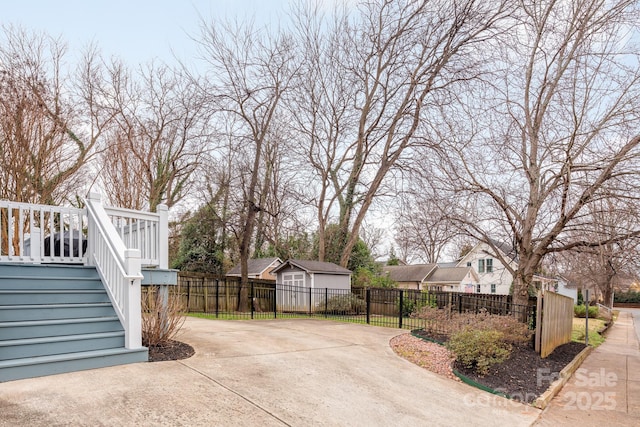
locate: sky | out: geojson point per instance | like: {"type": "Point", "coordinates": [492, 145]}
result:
{"type": "Point", "coordinates": [136, 31]}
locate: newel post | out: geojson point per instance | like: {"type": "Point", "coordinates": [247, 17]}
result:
{"type": "Point", "coordinates": [95, 199]}
{"type": "Point", "coordinates": [163, 236]}
{"type": "Point", "coordinates": [133, 328]}
{"type": "Point", "coordinates": [35, 250]}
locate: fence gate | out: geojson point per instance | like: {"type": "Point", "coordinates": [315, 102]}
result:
{"type": "Point", "coordinates": [554, 323]}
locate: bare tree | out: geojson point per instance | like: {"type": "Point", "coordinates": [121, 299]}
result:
{"type": "Point", "coordinates": [369, 84]}
{"type": "Point", "coordinates": [424, 230]}
{"type": "Point", "coordinates": [159, 139]}
{"type": "Point", "coordinates": [249, 72]}
{"type": "Point", "coordinates": [555, 130]}
{"type": "Point", "coordinates": [613, 262]}
{"type": "Point", "coordinates": [50, 121]}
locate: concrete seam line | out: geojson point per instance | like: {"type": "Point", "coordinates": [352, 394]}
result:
{"type": "Point", "coordinates": [236, 393]}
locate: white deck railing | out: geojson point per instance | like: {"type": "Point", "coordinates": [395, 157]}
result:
{"type": "Point", "coordinates": [35, 234]}
{"type": "Point", "coordinates": [118, 242]}
{"type": "Point", "coordinates": [143, 231]}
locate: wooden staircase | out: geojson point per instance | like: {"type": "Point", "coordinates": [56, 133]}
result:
{"type": "Point", "coordinates": [55, 319]}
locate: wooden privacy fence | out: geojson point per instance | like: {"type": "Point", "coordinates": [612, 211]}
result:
{"type": "Point", "coordinates": [205, 293]}
{"type": "Point", "coordinates": [554, 321]}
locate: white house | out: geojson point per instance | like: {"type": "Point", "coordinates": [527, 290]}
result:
{"type": "Point", "coordinates": [435, 277]}
{"type": "Point", "coordinates": [561, 286]}
{"type": "Point", "coordinates": [493, 276]}
{"type": "Point", "coordinates": [409, 276]}
{"type": "Point", "coordinates": [453, 279]}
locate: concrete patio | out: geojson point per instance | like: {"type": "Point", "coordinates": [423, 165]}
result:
{"type": "Point", "coordinates": [267, 373]}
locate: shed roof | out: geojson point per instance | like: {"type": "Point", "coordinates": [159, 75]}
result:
{"type": "Point", "coordinates": [409, 273]}
{"type": "Point", "coordinates": [256, 266]}
{"type": "Point", "coordinates": [313, 267]}
{"type": "Point", "coordinates": [449, 275]}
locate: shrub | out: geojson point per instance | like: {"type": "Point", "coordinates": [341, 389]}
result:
{"type": "Point", "coordinates": [581, 311]}
{"type": "Point", "coordinates": [412, 305]}
{"type": "Point", "coordinates": [628, 297]}
{"type": "Point", "coordinates": [479, 349]}
{"type": "Point", "coordinates": [343, 304]}
{"type": "Point", "coordinates": [160, 326]}
{"type": "Point", "coordinates": [514, 331]}
{"type": "Point", "coordinates": [449, 322]}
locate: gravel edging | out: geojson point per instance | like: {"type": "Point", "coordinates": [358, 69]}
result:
{"type": "Point", "coordinates": [541, 402]}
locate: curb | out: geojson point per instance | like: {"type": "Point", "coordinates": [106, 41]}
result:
{"type": "Point", "coordinates": [423, 338]}
{"type": "Point", "coordinates": [475, 384]}
{"type": "Point", "coordinates": [542, 401]}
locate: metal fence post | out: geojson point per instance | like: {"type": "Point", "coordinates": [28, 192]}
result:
{"type": "Point", "coordinates": [326, 301]}
{"type": "Point", "coordinates": [309, 301]}
{"type": "Point", "coordinates": [188, 295]}
{"type": "Point", "coordinates": [367, 293]}
{"type": "Point", "coordinates": [217, 297]}
{"type": "Point", "coordinates": [275, 302]}
{"type": "Point", "coordinates": [401, 300]}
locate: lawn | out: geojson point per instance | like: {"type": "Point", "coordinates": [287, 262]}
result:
{"type": "Point", "coordinates": [595, 325]}
{"type": "Point", "coordinates": [375, 320]}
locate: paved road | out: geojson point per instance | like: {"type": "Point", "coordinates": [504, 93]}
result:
{"type": "Point", "coordinates": [266, 373]}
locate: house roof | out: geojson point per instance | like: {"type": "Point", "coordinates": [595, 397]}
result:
{"type": "Point", "coordinates": [506, 249]}
{"type": "Point", "coordinates": [448, 264]}
{"type": "Point", "coordinates": [256, 266]}
{"type": "Point", "coordinates": [408, 273]}
{"type": "Point", "coordinates": [313, 267]}
{"type": "Point", "coordinates": [449, 275]}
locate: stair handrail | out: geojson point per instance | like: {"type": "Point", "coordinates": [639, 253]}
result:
{"type": "Point", "coordinates": [118, 267]}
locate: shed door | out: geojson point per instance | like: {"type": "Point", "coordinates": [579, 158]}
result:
{"type": "Point", "coordinates": [294, 291]}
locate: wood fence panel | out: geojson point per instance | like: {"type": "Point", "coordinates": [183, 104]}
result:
{"type": "Point", "coordinates": [556, 322]}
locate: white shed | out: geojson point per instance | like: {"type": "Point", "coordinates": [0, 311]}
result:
{"type": "Point", "coordinates": [303, 284]}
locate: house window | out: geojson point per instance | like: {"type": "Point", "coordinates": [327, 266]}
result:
{"type": "Point", "coordinates": [489, 265]}
{"type": "Point", "coordinates": [493, 288]}
{"type": "Point", "coordinates": [468, 263]}
{"type": "Point", "coordinates": [480, 266]}
{"type": "Point", "coordinates": [478, 288]}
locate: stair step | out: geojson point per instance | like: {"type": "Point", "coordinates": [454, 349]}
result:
{"type": "Point", "coordinates": [48, 270]}
{"type": "Point", "coordinates": [17, 313]}
{"type": "Point", "coordinates": [59, 327]}
{"type": "Point", "coordinates": [54, 296]}
{"type": "Point", "coordinates": [56, 319]}
{"type": "Point", "coordinates": [46, 346]}
{"type": "Point", "coordinates": [32, 367]}
{"type": "Point", "coordinates": [33, 283]}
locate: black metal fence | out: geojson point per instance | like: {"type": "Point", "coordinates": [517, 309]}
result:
{"type": "Point", "coordinates": [226, 298]}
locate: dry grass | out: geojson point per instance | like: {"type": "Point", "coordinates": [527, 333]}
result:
{"type": "Point", "coordinates": [160, 326]}
{"type": "Point", "coordinates": [595, 326]}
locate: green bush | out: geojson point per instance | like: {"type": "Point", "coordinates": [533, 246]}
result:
{"type": "Point", "coordinates": [581, 311]}
{"type": "Point", "coordinates": [343, 304]}
{"type": "Point", "coordinates": [479, 349]}
{"type": "Point", "coordinates": [628, 297]}
{"type": "Point", "coordinates": [411, 306]}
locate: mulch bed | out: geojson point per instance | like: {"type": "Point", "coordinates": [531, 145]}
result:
{"type": "Point", "coordinates": [525, 375]}
{"type": "Point", "coordinates": [173, 350]}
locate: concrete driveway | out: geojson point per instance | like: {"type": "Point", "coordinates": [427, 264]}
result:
{"type": "Point", "coordinates": [262, 373]}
